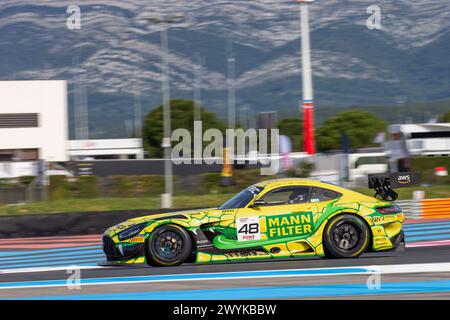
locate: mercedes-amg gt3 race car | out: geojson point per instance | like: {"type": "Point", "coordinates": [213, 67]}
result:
{"type": "Point", "coordinates": [272, 219]}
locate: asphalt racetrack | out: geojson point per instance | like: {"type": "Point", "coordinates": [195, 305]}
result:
{"type": "Point", "coordinates": [66, 268]}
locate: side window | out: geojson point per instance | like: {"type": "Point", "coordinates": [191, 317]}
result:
{"type": "Point", "coordinates": [287, 195]}
{"type": "Point", "coordinates": [321, 194]}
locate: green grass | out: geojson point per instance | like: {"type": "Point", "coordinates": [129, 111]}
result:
{"type": "Point", "coordinates": [109, 204]}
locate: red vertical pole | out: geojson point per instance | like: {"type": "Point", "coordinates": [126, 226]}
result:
{"type": "Point", "coordinates": [308, 107]}
{"type": "Point", "coordinates": [308, 128]}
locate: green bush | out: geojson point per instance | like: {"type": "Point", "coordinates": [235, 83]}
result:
{"type": "Point", "coordinates": [59, 188]}
{"type": "Point", "coordinates": [120, 186]}
{"type": "Point", "coordinates": [360, 127]}
{"type": "Point", "coordinates": [136, 186]}
{"type": "Point", "coordinates": [247, 177]}
{"type": "Point", "coordinates": [7, 183]}
{"type": "Point", "coordinates": [26, 180]}
{"type": "Point", "coordinates": [242, 178]}
{"type": "Point", "coordinates": [304, 169]}
{"type": "Point", "coordinates": [211, 183]}
{"type": "Point", "coordinates": [86, 187]}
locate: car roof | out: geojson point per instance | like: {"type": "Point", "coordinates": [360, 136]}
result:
{"type": "Point", "coordinates": [293, 181]}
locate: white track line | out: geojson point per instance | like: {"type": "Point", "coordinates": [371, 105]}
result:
{"type": "Point", "coordinates": [382, 269]}
{"type": "Point", "coordinates": [43, 269]}
{"type": "Point", "coordinates": [412, 268]}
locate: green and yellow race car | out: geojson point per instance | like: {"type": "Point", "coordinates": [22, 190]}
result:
{"type": "Point", "coordinates": [272, 219]}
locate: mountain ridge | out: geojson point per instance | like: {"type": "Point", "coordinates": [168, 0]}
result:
{"type": "Point", "coordinates": [404, 62]}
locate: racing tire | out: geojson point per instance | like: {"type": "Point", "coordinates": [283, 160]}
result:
{"type": "Point", "coordinates": [168, 245]}
{"type": "Point", "coordinates": [346, 236]}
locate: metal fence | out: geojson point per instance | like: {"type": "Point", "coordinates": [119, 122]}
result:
{"type": "Point", "coordinates": [15, 195]}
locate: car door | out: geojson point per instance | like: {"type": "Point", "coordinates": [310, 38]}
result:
{"type": "Point", "coordinates": [284, 213]}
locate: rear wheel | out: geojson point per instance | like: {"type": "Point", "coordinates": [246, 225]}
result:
{"type": "Point", "coordinates": [346, 236]}
{"type": "Point", "coordinates": [168, 245]}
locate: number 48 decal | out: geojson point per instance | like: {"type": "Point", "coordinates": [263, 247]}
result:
{"type": "Point", "coordinates": [248, 228]}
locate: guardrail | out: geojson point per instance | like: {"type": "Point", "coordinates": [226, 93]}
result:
{"type": "Point", "coordinates": [426, 209]}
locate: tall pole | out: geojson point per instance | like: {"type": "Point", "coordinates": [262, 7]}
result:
{"type": "Point", "coordinates": [197, 88]}
{"type": "Point", "coordinates": [228, 152]}
{"type": "Point", "coordinates": [166, 198]}
{"type": "Point", "coordinates": [137, 111]}
{"type": "Point", "coordinates": [81, 116]}
{"type": "Point", "coordinates": [231, 88]}
{"type": "Point", "coordinates": [166, 144]}
{"type": "Point", "coordinates": [138, 117]}
{"type": "Point", "coordinates": [308, 105]}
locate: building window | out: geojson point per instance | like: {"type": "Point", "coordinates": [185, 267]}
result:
{"type": "Point", "coordinates": [19, 155]}
{"type": "Point", "coordinates": [18, 120]}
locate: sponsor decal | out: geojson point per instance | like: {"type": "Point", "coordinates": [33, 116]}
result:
{"type": "Point", "coordinates": [245, 253]}
{"type": "Point", "coordinates": [382, 242]}
{"type": "Point", "coordinates": [289, 225]}
{"type": "Point", "coordinates": [248, 228]}
{"type": "Point", "coordinates": [404, 179]}
{"type": "Point", "coordinates": [137, 239]}
{"type": "Point", "coordinates": [378, 220]}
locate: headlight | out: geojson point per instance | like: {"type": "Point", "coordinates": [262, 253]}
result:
{"type": "Point", "coordinates": [131, 232]}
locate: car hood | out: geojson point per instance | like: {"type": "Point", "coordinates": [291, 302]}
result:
{"type": "Point", "coordinates": [154, 217]}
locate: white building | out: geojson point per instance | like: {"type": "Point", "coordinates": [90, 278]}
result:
{"type": "Point", "coordinates": [33, 120]}
{"type": "Point", "coordinates": [34, 126]}
{"type": "Point", "coordinates": [408, 140]}
{"type": "Point", "coordinates": [106, 149]}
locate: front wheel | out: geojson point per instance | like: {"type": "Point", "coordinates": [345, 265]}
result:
{"type": "Point", "coordinates": [168, 245]}
{"type": "Point", "coordinates": [346, 236]}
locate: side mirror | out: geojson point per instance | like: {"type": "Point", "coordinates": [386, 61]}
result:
{"type": "Point", "coordinates": [258, 203]}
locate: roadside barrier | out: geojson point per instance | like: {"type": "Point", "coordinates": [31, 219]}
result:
{"type": "Point", "coordinates": [412, 209]}
{"type": "Point", "coordinates": [426, 209]}
{"type": "Point", "coordinates": [68, 224]}
{"type": "Point", "coordinates": [435, 208]}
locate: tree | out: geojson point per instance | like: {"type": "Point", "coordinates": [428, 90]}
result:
{"type": "Point", "coordinates": [445, 117]}
{"type": "Point", "coordinates": [292, 128]}
{"type": "Point", "coordinates": [182, 116]}
{"type": "Point", "coordinates": [360, 126]}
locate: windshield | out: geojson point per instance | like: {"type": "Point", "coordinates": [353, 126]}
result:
{"type": "Point", "coordinates": [242, 198]}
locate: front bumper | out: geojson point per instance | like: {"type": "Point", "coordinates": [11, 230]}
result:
{"type": "Point", "coordinates": [122, 251]}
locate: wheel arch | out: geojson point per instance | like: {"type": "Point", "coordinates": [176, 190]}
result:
{"type": "Point", "coordinates": [169, 223]}
{"type": "Point", "coordinates": [370, 245]}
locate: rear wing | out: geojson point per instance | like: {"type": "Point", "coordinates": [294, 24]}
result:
{"type": "Point", "coordinates": [384, 184]}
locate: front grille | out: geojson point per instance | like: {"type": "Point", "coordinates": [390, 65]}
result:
{"type": "Point", "coordinates": [127, 251]}
{"type": "Point", "coordinates": [108, 246]}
